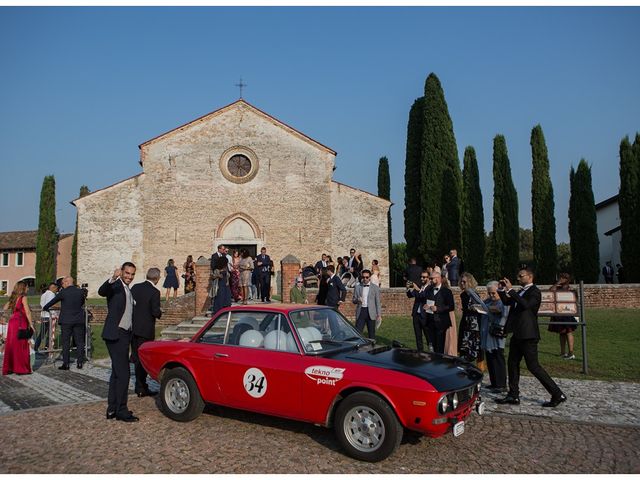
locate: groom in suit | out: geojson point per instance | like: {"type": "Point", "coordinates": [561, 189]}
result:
{"type": "Point", "coordinates": [145, 313]}
{"type": "Point", "coordinates": [336, 291]}
{"type": "Point", "coordinates": [522, 323]}
{"type": "Point", "coordinates": [117, 336]}
{"type": "Point", "coordinates": [439, 302]}
{"type": "Point", "coordinates": [366, 296]}
{"type": "Point", "coordinates": [263, 264]}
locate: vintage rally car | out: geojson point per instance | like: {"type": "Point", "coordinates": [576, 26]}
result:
{"type": "Point", "coordinates": [310, 364]}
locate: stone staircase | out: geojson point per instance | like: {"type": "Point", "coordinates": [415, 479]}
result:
{"type": "Point", "coordinates": [185, 329]}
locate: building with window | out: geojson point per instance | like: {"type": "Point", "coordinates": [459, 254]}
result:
{"type": "Point", "coordinates": [238, 177]}
{"type": "Point", "coordinates": [18, 258]}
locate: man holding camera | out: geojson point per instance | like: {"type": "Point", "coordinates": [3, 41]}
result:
{"type": "Point", "coordinates": [417, 313]}
{"type": "Point", "coordinates": [522, 323]}
{"type": "Point", "coordinates": [72, 321]}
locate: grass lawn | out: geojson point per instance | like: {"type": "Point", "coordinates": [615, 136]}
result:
{"type": "Point", "coordinates": [613, 336]}
{"type": "Point", "coordinates": [34, 300]}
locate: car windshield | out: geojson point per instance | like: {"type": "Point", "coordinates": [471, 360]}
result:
{"type": "Point", "coordinates": [324, 329]}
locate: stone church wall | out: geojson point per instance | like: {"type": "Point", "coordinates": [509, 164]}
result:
{"type": "Point", "coordinates": [111, 233]}
{"type": "Point", "coordinates": [359, 221]}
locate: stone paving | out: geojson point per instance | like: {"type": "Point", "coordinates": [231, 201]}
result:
{"type": "Point", "coordinates": [59, 417]}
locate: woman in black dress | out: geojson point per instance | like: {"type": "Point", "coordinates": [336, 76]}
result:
{"type": "Point", "coordinates": [223, 295]}
{"type": "Point", "coordinates": [469, 331]}
{"type": "Point", "coordinates": [171, 279]}
{"type": "Point", "coordinates": [189, 275]}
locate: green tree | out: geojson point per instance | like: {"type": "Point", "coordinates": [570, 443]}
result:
{"type": "Point", "coordinates": [47, 239]}
{"type": "Point", "coordinates": [472, 222]}
{"type": "Point", "coordinates": [504, 247]}
{"type": "Point", "coordinates": [629, 207]}
{"type": "Point", "coordinates": [400, 261]}
{"type": "Point", "coordinates": [441, 180]}
{"type": "Point", "coordinates": [526, 247]}
{"type": "Point", "coordinates": [84, 190]}
{"type": "Point", "coordinates": [564, 258]}
{"type": "Point", "coordinates": [545, 254]}
{"type": "Point", "coordinates": [583, 232]}
{"type": "Point", "coordinates": [384, 191]}
{"type": "Point", "coordinates": [412, 187]}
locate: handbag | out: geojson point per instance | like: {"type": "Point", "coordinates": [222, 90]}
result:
{"type": "Point", "coordinates": [497, 330]}
{"type": "Point", "coordinates": [25, 333]}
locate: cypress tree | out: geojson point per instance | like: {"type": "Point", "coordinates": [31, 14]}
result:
{"type": "Point", "coordinates": [583, 231]}
{"type": "Point", "coordinates": [412, 190]}
{"type": "Point", "coordinates": [545, 253]}
{"type": "Point", "coordinates": [384, 191]}
{"type": "Point", "coordinates": [440, 167]}
{"type": "Point", "coordinates": [473, 237]}
{"type": "Point", "coordinates": [47, 239]}
{"type": "Point", "coordinates": [505, 237]}
{"type": "Point", "coordinates": [629, 207]}
{"type": "Point", "coordinates": [84, 190]}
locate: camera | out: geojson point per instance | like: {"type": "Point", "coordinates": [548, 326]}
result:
{"type": "Point", "coordinates": [84, 286]}
{"type": "Point", "coordinates": [409, 284]}
{"type": "Point", "coordinates": [502, 284]}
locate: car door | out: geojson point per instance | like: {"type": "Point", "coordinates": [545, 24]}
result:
{"type": "Point", "coordinates": [255, 371]}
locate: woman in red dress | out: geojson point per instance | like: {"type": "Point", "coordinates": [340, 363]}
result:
{"type": "Point", "coordinates": [16, 350]}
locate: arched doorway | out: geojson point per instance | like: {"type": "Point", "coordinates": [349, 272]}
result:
{"type": "Point", "coordinates": [239, 231]}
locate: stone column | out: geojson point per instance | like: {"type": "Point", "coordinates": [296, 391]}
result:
{"type": "Point", "coordinates": [290, 268]}
{"type": "Point", "coordinates": [203, 274]}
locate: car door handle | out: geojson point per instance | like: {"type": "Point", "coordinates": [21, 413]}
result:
{"type": "Point", "coordinates": [221, 355]}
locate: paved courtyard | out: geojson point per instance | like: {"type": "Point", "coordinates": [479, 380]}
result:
{"type": "Point", "coordinates": [53, 422]}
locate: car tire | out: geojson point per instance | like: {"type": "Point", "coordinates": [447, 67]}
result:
{"type": "Point", "coordinates": [179, 396]}
{"type": "Point", "coordinates": [367, 427]}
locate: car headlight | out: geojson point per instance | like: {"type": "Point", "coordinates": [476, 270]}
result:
{"type": "Point", "coordinates": [443, 404]}
{"type": "Point", "coordinates": [478, 387]}
{"type": "Point", "coordinates": [454, 401]}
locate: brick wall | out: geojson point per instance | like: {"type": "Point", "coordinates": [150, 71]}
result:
{"type": "Point", "coordinates": [175, 311]}
{"type": "Point", "coordinates": [395, 301]}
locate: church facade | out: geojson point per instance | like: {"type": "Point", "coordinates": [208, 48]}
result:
{"type": "Point", "coordinates": [236, 176]}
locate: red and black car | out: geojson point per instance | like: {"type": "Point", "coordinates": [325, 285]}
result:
{"type": "Point", "coordinates": [310, 364]}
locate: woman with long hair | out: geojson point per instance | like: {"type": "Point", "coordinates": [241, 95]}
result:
{"type": "Point", "coordinates": [16, 349]}
{"type": "Point", "coordinates": [469, 331]}
{"type": "Point", "coordinates": [245, 267]}
{"type": "Point", "coordinates": [223, 295]}
{"type": "Point", "coordinates": [189, 275]}
{"type": "Point", "coordinates": [234, 279]}
{"type": "Point", "coordinates": [375, 273]}
{"type": "Point", "coordinates": [171, 279]}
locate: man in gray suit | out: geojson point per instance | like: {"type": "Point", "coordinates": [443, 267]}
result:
{"type": "Point", "coordinates": [366, 296]}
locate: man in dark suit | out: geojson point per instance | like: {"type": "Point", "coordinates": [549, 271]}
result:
{"type": "Point", "coordinates": [417, 312]}
{"type": "Point", "coordinates": [522, 323]}
{"type": "Point", "coordinates": [117, 336]}
{"type": "Point", "coordinates": [413, 272]}
{"type": "Point", "coordinates": [607, 273]}
{"type": "Point", "coordinates": [453, 268]}
{"type": "Point", "coordinates": [439, 302]}
{"type": "Point", "coordinates": [72, 321]}
{"type": "Point", "coordinates": [320, 264]}
{"type": "Point", "coordinates": [263, 264]}
{"type": "Point", "coordinates": [336, 291]}
{"type": "Point", "coordinates": [145, 313]}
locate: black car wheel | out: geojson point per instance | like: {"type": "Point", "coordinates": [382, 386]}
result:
{"type": "Point", "coordinates": [179, 396]}
{"type": "Point", "coordinates": [367, 427]}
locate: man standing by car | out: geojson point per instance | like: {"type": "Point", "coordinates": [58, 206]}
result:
{"type": "Point", "coordinates": [263, 263]}
{"type": "Point", "coordinates": [417, 313]}
{"type": "Point", "coordinates": [71, 320]}
{"type": "Point", "coordinates": [117, 336]}
{"type": "Point", "coordinates": [522, 323]}
{"type": "Point", "coordinates": [145, 313]}
{"type": "Point", "coordinates": [366, 296]}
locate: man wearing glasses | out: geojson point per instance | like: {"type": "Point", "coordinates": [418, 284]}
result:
{"type": "Point", "coordinates": [439, 302]}
{"type": "Point", "coordinates": [298, 293]}
{"type": "Point", "coordinates": [522, 322]}
{"type": "Point", "coordinates": [418, 292]}
{"type": "Point", "coordinates": [366, 296]}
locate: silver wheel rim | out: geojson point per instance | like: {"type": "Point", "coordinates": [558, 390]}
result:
{"type": "Point", "coordinates": [364, 428]}
{"type": "Point", "coordinates": [177, 395]}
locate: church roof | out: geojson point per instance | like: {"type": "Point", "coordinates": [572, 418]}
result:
{"type": "Point", "coordinates": [256, 110]}
{"type": "Point", "coordinates": [340, 185]}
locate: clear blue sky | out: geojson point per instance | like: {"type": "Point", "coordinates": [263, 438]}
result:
{"type": "Point", "coordinates": [81, 88]}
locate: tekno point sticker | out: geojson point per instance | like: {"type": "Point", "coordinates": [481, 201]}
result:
{"type": "Point", "coordinates": [323, 375]}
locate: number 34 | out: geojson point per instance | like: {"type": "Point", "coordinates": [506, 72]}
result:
{"type": "Point", "coordinates": [255, 382]}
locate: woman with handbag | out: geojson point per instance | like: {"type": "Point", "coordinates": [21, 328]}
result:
{"type": "Point", "coordinates": [19, 331]}
{"type": "Point", "coordinates": [492, 338]}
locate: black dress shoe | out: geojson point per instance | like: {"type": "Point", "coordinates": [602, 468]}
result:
{"type": "Point", "coordinates": [555, 401]}
{"type": "Point", "coordinates": [63, 367]}
{"type": "Point", "coordinates": [147, 393]}
{"type": "Point", "coordinates": [111, 415]}
{"type": "Point", "coordinates": [79, 365]}
{"type": "Point", "coordinates": [508, 400]}
{"type": "Point", "coordinates": [130, 418]}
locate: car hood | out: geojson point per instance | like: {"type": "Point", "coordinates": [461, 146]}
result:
{"type": "Point", "coordinates": [444, 372]}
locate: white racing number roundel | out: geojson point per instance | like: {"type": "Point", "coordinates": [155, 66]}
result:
{"type": "Point", "coordinates": [255, 383]}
